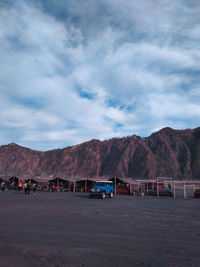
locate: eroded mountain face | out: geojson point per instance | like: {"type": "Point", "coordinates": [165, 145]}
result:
{"type": "Point", "coordinates": [168, 152]}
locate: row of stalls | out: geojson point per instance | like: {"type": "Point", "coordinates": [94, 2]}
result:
{"type": "Point", "coordinates": [124, 186]}
{"type": "Point", "coordinates": [84, 185]}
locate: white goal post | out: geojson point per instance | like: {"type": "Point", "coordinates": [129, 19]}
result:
{"type": "Point", "coordinates": [163, 179]}
{"type": "Point", "coordinates": [188, 186]}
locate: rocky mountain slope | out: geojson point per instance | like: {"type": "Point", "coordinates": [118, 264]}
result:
{"type": "Point", "coordinates": [168, 152]}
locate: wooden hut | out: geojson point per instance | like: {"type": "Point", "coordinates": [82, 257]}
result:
{"type": "Point", "coordinates": [123, 186]}
{"type": "Point", "coordinates": [59, 184]}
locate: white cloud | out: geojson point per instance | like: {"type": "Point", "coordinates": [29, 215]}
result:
{"type": "Point", "coordinates": [134, 83]}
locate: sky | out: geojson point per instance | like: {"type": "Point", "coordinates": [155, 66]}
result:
{"type": "Point", "coordinates": [74, 70]}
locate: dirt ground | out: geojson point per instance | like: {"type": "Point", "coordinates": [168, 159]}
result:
{"type": "Point", "coordinates": [69, 229]}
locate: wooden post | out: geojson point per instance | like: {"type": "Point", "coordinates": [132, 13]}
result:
{"type": "Point", "coordinates": [115, 185]}
{"type": "Point", "coordinates": [157, 189]}
{"type": "Point", "coordinates": [147, 187]}
{"type": "Point", "coordinates": [174, 190]}
{"type": "Point", "coordinates": [184, 191]}
{"type": "Point", "coordinates": [130, 189]}
{"type": "Point", "coordinates": [85, 185]}
{"type": "Point", "coordinates": [74, 188]}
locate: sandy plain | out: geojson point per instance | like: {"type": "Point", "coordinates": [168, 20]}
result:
{"type": "Point", "coordinates": [69, 229]}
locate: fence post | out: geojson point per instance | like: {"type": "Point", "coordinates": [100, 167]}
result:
{"type": "Point", "coordinates": [174, 190]}
{"type": "Point", "coordinates": [157, 189]}
{"type": "Point", "coordinates": [184, 191]}
{"type": "Point", "coordinates": [74, 188]}
{"type": "Point", "coordinates": [147, 187]}
{"type": "Point", "coordinates": [115, 185]}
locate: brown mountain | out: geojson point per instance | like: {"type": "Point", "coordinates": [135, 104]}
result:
{"type": "Point", "coordinates": [168, 152]}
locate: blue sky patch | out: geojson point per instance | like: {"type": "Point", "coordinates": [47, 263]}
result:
{"type": "Point", "coordinates": [71, 71]}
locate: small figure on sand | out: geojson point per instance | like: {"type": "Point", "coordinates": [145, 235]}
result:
{"type": "Point", "coordinates": [20, 185]}
{"type": "Point", "coordinates": [27, 187]}
{"type": "Point", "coordinates": [3, 186]}
{"type": "Point", "coordinates": [169, 186]}
{"type": "Point", "coordinates": [34, 187]}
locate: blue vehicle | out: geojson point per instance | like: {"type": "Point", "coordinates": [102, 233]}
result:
{"type": "Point", "coordinates": [102, 189]}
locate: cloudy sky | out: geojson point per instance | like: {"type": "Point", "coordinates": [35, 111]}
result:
{"type": "Point", "coordinates": [74, 70]}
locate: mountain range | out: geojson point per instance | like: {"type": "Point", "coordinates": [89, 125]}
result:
{"type": "Point", "coordinates": [166, 153]}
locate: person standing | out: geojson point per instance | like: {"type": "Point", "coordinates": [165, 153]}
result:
{"type": "Point", "coordinates": [169, 186]}
{"type": "Point", "coordinates": [53, 188]}
{"type": "Point", "coordinates": [20, 186]}
{"type": "Point", "coordinates": [25, 187]}
{"type": "Point", "coordinates": [34, 187]}
{"type": "Point", "coordinates": [2, 186]}
{"type": "Point", "coordinates": [28, 187]}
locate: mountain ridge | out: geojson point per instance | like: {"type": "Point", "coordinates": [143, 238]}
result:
{"type": "Point", "coordinates": [167, 152]}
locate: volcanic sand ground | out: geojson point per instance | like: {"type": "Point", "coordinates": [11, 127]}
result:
{"type": "Point", "coordinates": [69, 229]}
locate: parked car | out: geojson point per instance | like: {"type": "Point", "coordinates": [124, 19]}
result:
{"type": "Point", "coordinates": [102, 189]}
{"type": "Point", "coordinates": [162, 192]}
